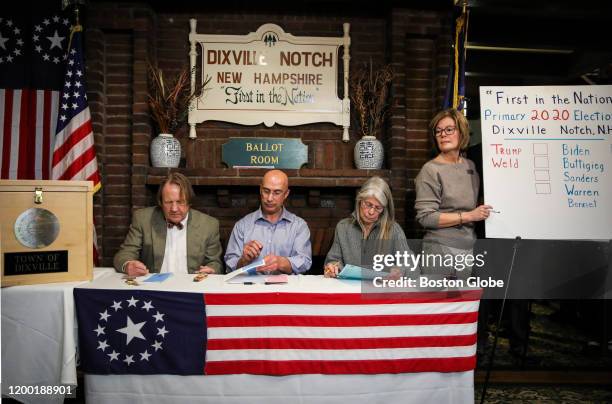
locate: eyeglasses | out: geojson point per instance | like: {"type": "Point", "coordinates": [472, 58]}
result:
{"type": "Point", "coordinates": [276, 193]}
{"type": "Point", "coordinates": [171, 203]}
{"type": "Point", "coordinates": [368, 206]}
{"type": "Point", "coordinates": [449, 130]}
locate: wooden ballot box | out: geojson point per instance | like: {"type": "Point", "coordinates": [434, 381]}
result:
{"type": "Point", "coordinates": [46, 232]}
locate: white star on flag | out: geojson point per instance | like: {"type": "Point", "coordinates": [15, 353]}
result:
{"type": "Point", "coordinates": [145, 356]}
{"type": "Point", "coordinates": [104, 316]}
{"type": "Point", "coordinates": [132, 330]}
{"type": "Point", "coordinates": [99, 330]}
{"type": "Point", "coordinates": [117, 305]}
{"type": "Point", "coordinates": [162, 331]}
{"type": "Point", "coordinates": [132, 302]}
{"type": "Point", "coordinates": [56, 40]}
{"type": "Point", "coordinates": [102, 345]}
{"type": "Point", "coordinates": [113, 356]}
{"type": "Point", "coordinates": [129, 359]}
{"type": "Point", "coordinates": [157, 345]}
{"type": "Point", "coordinates": [158, 317]}
{"type": "Point", "coordinates": [146, 306]}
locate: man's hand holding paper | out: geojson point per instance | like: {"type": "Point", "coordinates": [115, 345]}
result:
{"type": "Point", "coordinates": [275, 263]}
{"type": "Point", "coordinates": [251, 250]}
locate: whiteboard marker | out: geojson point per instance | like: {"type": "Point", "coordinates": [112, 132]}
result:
{"type": "Point", "coordinates": [495, 211]}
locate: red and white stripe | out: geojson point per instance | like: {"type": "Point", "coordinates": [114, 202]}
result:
{"type": "Point", "coordinates": [27, 132]}
{"type": "Point", "coordinates": [295, 333]}
{"type": "Point", "coordinates": [74, 156]}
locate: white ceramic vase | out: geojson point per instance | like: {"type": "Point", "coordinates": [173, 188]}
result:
{"type": "Point", "coordinates": [165, 151]}
{"type": "Point", "coordinates": [369, 153]}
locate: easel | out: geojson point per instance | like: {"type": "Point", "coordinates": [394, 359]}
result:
{"type": "Point", "coordinates": [517, 243]}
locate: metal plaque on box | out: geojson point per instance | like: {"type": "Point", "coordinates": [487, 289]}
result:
{"type": "Point", "coordinates": [29, 263]}
{"type": "Point", "coordinates": [36, 228]}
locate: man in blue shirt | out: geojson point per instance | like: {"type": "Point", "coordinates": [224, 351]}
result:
{"type": "Point", "coordinates": [271, 232]}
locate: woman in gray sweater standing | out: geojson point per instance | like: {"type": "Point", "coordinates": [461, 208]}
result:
{"type": "Point", "coordinates": [447, 198]}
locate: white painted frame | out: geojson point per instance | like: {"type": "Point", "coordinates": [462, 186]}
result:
{"type": "Point", "coordinates": [325, 105]}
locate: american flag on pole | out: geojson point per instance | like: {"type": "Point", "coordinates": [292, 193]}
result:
{"type": "Point", "coordinates": [146, 332]}
{"type": "Point", "coordinates": [74, 154]}
{"type": "Point", "coordinates": [455, 90]}
{"type": "Point", "coordinates": [32, 58]}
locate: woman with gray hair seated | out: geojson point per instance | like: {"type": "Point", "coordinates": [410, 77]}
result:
{"type": "Point", "coordinates": [371, 229]}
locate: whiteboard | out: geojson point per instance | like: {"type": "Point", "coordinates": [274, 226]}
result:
{"type": "Point", "coordinates": [547, 157]}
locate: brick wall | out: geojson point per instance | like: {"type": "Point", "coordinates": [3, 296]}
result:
{"type": "Point", "coordinates": [120, 38]}
{"type": "Point", "coordinates": [118, 41]}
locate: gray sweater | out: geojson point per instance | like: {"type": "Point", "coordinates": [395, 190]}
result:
{"type": "Point", "coordinates": [350, 247]}
{"type": "Point", "coordinates": [445, 188]}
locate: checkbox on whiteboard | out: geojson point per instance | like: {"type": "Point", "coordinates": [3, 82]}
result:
{"type": "Point", "coordinates": [542, 188]}
{"type": "Point", "coordinates": [542, 175]}
{"type": "Point", "coordinates": [540, 162]}
{"type": "Point", "coordinates": [540, 149]}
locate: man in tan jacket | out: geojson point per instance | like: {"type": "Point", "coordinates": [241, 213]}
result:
{"type": "Point", "coordinates": [171, 237]}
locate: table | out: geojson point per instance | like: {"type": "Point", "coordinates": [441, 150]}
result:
{"type": "Point", "coordinates": [39, 337]}
{"type": "Point", "coordinates": [424, 386]}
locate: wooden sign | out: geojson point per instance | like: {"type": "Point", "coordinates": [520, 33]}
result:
{"type": "Point", "coordinates": [265, 153]}
{"type": "Point", "coordinates": [269, 77]}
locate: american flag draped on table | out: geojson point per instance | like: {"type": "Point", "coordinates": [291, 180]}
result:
{"type": "Point", "coordinates": [145, 332]}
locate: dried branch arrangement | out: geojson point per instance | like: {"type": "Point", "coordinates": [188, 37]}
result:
{"type": "Point", "coordinates": [369, 97]}
{"type": "Point", "coordinates": [170, 100]}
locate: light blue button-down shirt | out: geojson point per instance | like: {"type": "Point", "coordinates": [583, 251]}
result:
{"type": "Point", "coordinates": [289, 237]}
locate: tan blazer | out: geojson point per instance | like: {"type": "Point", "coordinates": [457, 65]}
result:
{"type": "Point", "coordinates": [146, 241]}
